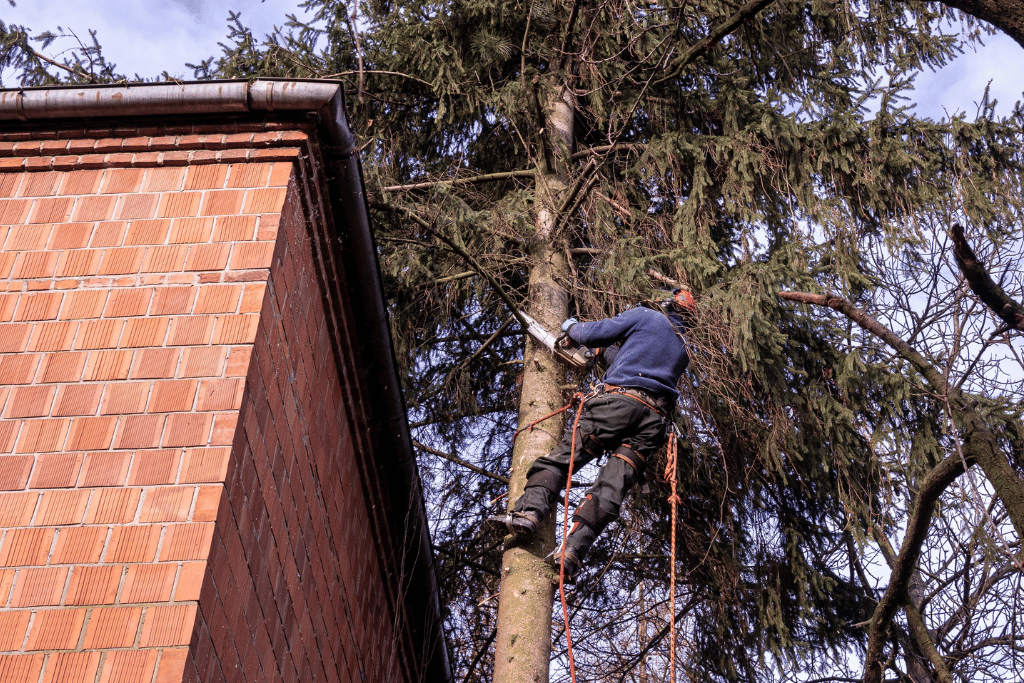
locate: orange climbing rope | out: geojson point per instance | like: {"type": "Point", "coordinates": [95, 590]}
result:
{"type": "Point", "coordinates": [670, 474]}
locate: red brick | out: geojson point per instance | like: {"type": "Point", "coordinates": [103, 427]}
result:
{"type": "Point", "coordinates": [27, 237]}
{"type": "Point", "coordinates": [96, 585]}
{"type": "Point", "coordinates": [109, 234]}
{"type": "Point", "coordinates": [13, 628]}
{"type": "Point", "coordinates": [6, 581]}
{"type": "Point", "coordinates": [234, 228]}
{"type": "Point", "coordinates": [40, 436]}
{"type": "Point", "coordinates": [172, 665]}
{"type": "Point", "coordinates": [108, 365]}
{"type": "Point", "coordinates": [223, 203]}
{"type": "Point", "coordinates": [207, 503]}
{"type": "Point", "coordinates": [91, 433]}
{"type": "Point", "coordinates": [20, 667]}
{"type": "Point", "coordinates": [122, 181]}
{"type": "Point", "coordinates": [140, 431]}
{"type": "Point", "coordinates": [191, 230]}
{"type": "Point", "coordinates": [79, 545]}
{"type": "Point", "coordinates": [35, 264]}
{"type": "Point", "coordinates": [167, 504]}
{"type": "Point", "coordinates": [155, 363]}
{"type": "Point", "coordinates": [7, 262]}
{"type": "Point", "coordinates": [168, 625]}
{"type": "Point", "coordinates": [126, 398]}
{"type": "Point", "coordinates": [42, 306]}
{"type": "Point", "coordinates": [51, 210]}
{"type": "Point", "coordinates": [98, 334]}
{"type": "Point", "coordinates": [29, 402]}
{"type": "Point", "coordinates": [8, 302]}
{"type": "Point", "coordinates": [269, 200]}
{"type": "Point", "coordinates": [187, 429]}
{"type": "Point", "coordinates": [68, 667]}
{"type": "Point", "coordinates": [179, 204]}
{"type": "Point", "coordinates": [250, 255]}
{"type": "Point", "coordinates": [190, 330]}
{"type": "Point", "coordinates": [13, 337]}
{"type": "Point", "coordinates": [224, 426]}
{"type": "Point", "coordinates": [18, 369]}
{"type": "Point", "coordinates": [79, 262]}
{"type": "Point", "coordinates": [123, 666]}
{"type": "Point", "coordinates": [81, 399]}
{"type": "Point", "coordinates": [235, 329]}
{"type": "Point", "coordinates": [151, 468]}
{"type": "Point", "coordinates": [12, 211]}
{"type": "Point", "coordinates": [238, 361]}
{"type": "Point", "coordinates": [190, 581]}
{"type": "Point", "coordinates": [86, 303]}
{"type": "Point", "coordinates": [147, 232]}
{"type": "Point", "coordinates": [23, 547]}
{"type": "Point", "coordinates": [203, 361]}
{"type": "Point", "coordinates": [208, 256]}
{"type": "Point", "coordinates": [173, 300]}
{"type": "Point", "coordinates": [71, 236]}
{"type": "Point", "coordinates": [89, 209]}
{"type": "Point", "coordinates": [165, 259]}
{"type": "Point", "coordinates": [138, 206]}
{"type": "Point", "coordinates": [114, 506]}
{"type": "Point", "coordinates": [14, 471]}
{"type": "Point", "coordinates": [205, 465]}
{"type": "Point", "coordinates": [218, 299]}
{"type": "Point", "coordinates": [144, 332]}
{"type": "Point", "coordinates": [163, 179]}
{"type": "Point", "coordinates": [57, 629]}
{"type": "Point", "coordinates": [172, 395]}
{"type": "Point", "coordinates": [205, 177]}
{"type": "Point", "coordinates": [112, 627]}
{"type": "Point", "coordinates": [40, 184]}
{"type": "Point", "coordinates": [128, 302]}
{"type": "Point", "coordinates": [220, 394]}
{"type": "Point", "coordinates": [148, 583]}
{"type": "Point", "coordinates": [59, 508]}
{"type": "Point", "coordinates": [105, 469]}
{"type": "Point", "coordinates": [187, 542]}
{"type": "Point", "coordinates": [252, 299]}
{"type": "Point", "coordinates": [133, 544]}
{"type": "Point", "coordinates": [121, 261]}
{"type": "Point", "coordinates": [39, 586]}
{"type": "Point", "coordinates": [56, 470]}
{"type": "Point", "coordinates": [50, 336]}
{"type": "Point", "coordinates": [249, 175]}
{"type": "Point", "coordinates": [17, 509]}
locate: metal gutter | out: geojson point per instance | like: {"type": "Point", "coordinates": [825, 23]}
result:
{"type": "Point", "coordinates": [358, 255]}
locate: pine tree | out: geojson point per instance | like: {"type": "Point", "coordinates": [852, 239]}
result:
{"type": "Point", "coordinates": [761, 154]}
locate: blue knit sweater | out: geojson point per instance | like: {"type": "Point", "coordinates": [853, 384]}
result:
{"type": "Point", "coordinates": [652, 356]}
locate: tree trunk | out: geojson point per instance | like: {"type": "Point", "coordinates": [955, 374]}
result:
{"type": "Point", "coordinates": [523, 644]}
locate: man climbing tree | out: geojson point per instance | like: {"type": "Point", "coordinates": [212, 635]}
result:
{"type": "Point", "coordinates": [629, 417]}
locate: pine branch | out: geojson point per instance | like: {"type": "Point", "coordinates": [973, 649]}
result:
{"type": "Point", "coordinates": [384, 73]}
{"type": "Point", "coordinates": [746, 12]}
{"type": "Point", "coordinates": [605, 149]}
{"type": "Point", "coordinates": [982, 284]}
{"type": "Point", "coordinates": [459, 461]}
{"type": "Point", "coordinates": [486, 178]}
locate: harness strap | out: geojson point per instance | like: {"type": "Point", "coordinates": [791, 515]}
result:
{"type": "Point", "coordinates": [634, 394]}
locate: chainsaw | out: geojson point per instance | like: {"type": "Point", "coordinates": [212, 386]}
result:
{"type": "Point", "coordinates": [565, 348]}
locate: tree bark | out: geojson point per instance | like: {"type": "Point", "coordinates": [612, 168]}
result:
{"type": "Point", "coordinates": [523, 644]}
{"type": "Point", "coordinates": [1006, 15]}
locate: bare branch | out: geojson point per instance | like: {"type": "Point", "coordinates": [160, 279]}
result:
{"type": "Point", "coordinates": [459, 461]}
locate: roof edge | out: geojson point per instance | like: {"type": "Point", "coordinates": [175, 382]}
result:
{"type": "Point", "coordinates": [162, 99]}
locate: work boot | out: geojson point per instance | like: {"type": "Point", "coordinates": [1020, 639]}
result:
{"type": "Point", "coordinates": [572, 563]}
{"type": "Point", "coordinates": [519, 524]}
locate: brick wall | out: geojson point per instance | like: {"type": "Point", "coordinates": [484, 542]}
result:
{"type": "Point", "coordinates": [183, 488]}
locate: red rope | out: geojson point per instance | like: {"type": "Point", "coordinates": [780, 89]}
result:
{"type": "Point", "coordinates": [565, 537]}
{"type": "Point", "coordinates": [670, 474]}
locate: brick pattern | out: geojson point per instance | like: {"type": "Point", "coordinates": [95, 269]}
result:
{"type": "Point", "coordinates": [132, 275]}
{"type": "Point", "coordinates": [295, 589]}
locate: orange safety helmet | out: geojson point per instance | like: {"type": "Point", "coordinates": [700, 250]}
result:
{"type": "Point", "coordinates": [684, 300]}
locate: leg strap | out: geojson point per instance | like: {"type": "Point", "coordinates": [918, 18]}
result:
{"type": "Point", "coordinates": [592, 447]}
{"type": "Point", "coordinates": [632, 458]}
{"type": "Point", "coordinates": [591, 514]}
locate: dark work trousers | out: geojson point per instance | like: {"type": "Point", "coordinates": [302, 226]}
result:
{"type": "Point", "coordinates": [609, 422]}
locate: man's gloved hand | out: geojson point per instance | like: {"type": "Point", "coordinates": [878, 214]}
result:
{"type": "Point", "coordinates": [569, 322]}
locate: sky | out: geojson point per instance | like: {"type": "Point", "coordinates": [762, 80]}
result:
{"type": "Point", "coordinates": [149, 36]}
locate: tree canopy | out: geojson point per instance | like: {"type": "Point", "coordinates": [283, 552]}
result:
{"type": "Point", "coordinates": [850, 472]}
